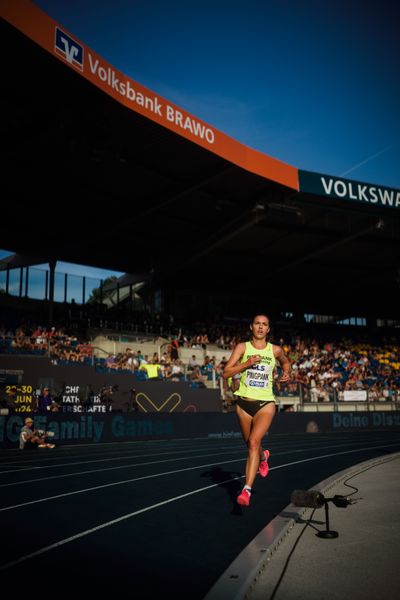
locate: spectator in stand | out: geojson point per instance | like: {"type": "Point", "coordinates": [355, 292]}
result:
{"type": "Point", "coordinates": [165, 365]}
{"type": "Point", "coordinates": [164, 358]}
{"type": "Point", "coordinates": [192, 363]}
{"type": "Point", "coordinates": [132, 362]}
{"type": "Point", "coordinates": [196, 378]}
{"type": "Point", "coordinates": [313, 388]}
{"type": "Point", "coordinates": [204, 341]}
{"type": "Point", "coordinates": [51, 333]}
{"type": "Point", "coordinates": [111, 361]}
{"type": "Point", "coordinates": [220, 342]}
{"type": "Point", "coordinates": [176, 373]}
{"type": "Point", "coordinates": [46, 402]}
{"type": "Point", "coordinates": [153, 371]}
{"type": "Point", "coordinates": [207, 368]}
{"type": "Point", "coordinates": [174, 349]}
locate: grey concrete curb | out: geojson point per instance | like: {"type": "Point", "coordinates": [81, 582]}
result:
{"type": "Point", "coordinates": [238, 580]}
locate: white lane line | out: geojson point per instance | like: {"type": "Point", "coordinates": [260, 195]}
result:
{"type": "Point", "coordinates": [100, 448]}
{"type": "Point", "coordinates": [108, 524]}
{"type": "Point", "coordinates": [102, 470]}
{"type": "Point", "coordinates": [14, 464]}
{"type": "Point", "coordinates": [153, 476]}
{"type": "Point", "coordinates": [143, 464]}
{"type": "Point", "coordinates": [124, 457]}
{"type": "Point", "coordinates": [106, 485]}
{"type": "Point", "coordinates": [82, 534]}
{"type": "Point", "coordinates": [236, 442]}
{"type": "Point", "coordinates": [130, 456]}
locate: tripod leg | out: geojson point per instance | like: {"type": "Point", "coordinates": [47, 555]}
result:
{"type": "Point", "coordinates": [327, 534]}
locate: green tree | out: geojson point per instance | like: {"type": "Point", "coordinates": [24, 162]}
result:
{"type": "Point", "coordinates": [96, 296]}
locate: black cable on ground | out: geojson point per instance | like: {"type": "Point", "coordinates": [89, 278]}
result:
{"type": "Point", "coordinates": [278, 583]}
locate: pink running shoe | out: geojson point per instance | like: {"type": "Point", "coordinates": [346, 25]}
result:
{"type": "Point", "coordinates": [263, 468]}
{"type": "Point", "coordinates": [244, 498]}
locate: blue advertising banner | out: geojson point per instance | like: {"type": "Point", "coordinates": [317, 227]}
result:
{"type": "Point", "coordinates": [124, 427]}
{"type": "Point", "coordinates": [346, 189]}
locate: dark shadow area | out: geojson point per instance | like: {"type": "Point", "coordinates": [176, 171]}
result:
{"type": "Point", "coordinates": [230, 481]}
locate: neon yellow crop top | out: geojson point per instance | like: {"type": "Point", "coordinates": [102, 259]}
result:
{"type": "Point", "coordinates": [256, 381]}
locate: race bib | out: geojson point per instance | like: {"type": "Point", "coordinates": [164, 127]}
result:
{"type": "Point", "coordinates": [258, 376]}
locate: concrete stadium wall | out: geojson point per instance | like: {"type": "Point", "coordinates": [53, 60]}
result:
{"type": "Point", "coordinates": [104, 346]}
{"type": "Point", "coordinates": [186, 353]}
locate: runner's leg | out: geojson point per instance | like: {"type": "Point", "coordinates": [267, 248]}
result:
{"type": "Point", "coordinates": [261, 423]}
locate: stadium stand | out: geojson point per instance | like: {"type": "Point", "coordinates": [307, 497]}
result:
{"type": "Point", "coordinates": [323, 371]}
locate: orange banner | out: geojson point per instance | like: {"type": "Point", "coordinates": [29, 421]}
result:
{"type": "Point", "coordinates": [54, 38]}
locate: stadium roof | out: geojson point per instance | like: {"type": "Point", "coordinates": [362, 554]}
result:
{"type": "Point", "coordinates": [100, 171]}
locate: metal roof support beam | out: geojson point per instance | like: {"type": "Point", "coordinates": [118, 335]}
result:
{"type": "Point", "coordinates": [255, 214]}
{"type": "Point", "coordinates": [184, 193]}
{"type": "Point", "coordinates": [377, 226]}
{"type": "Point", "coordinates": [52, 265]}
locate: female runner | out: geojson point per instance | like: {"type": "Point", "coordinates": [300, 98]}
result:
{"type": "Point", "coordinates": [255, 405]}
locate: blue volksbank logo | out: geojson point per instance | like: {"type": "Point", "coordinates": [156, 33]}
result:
{"type": "Point", "coordinates": [69, 49]}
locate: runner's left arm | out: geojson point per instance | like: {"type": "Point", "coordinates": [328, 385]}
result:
{"type": "Point", "coordinates": [284, 363]}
